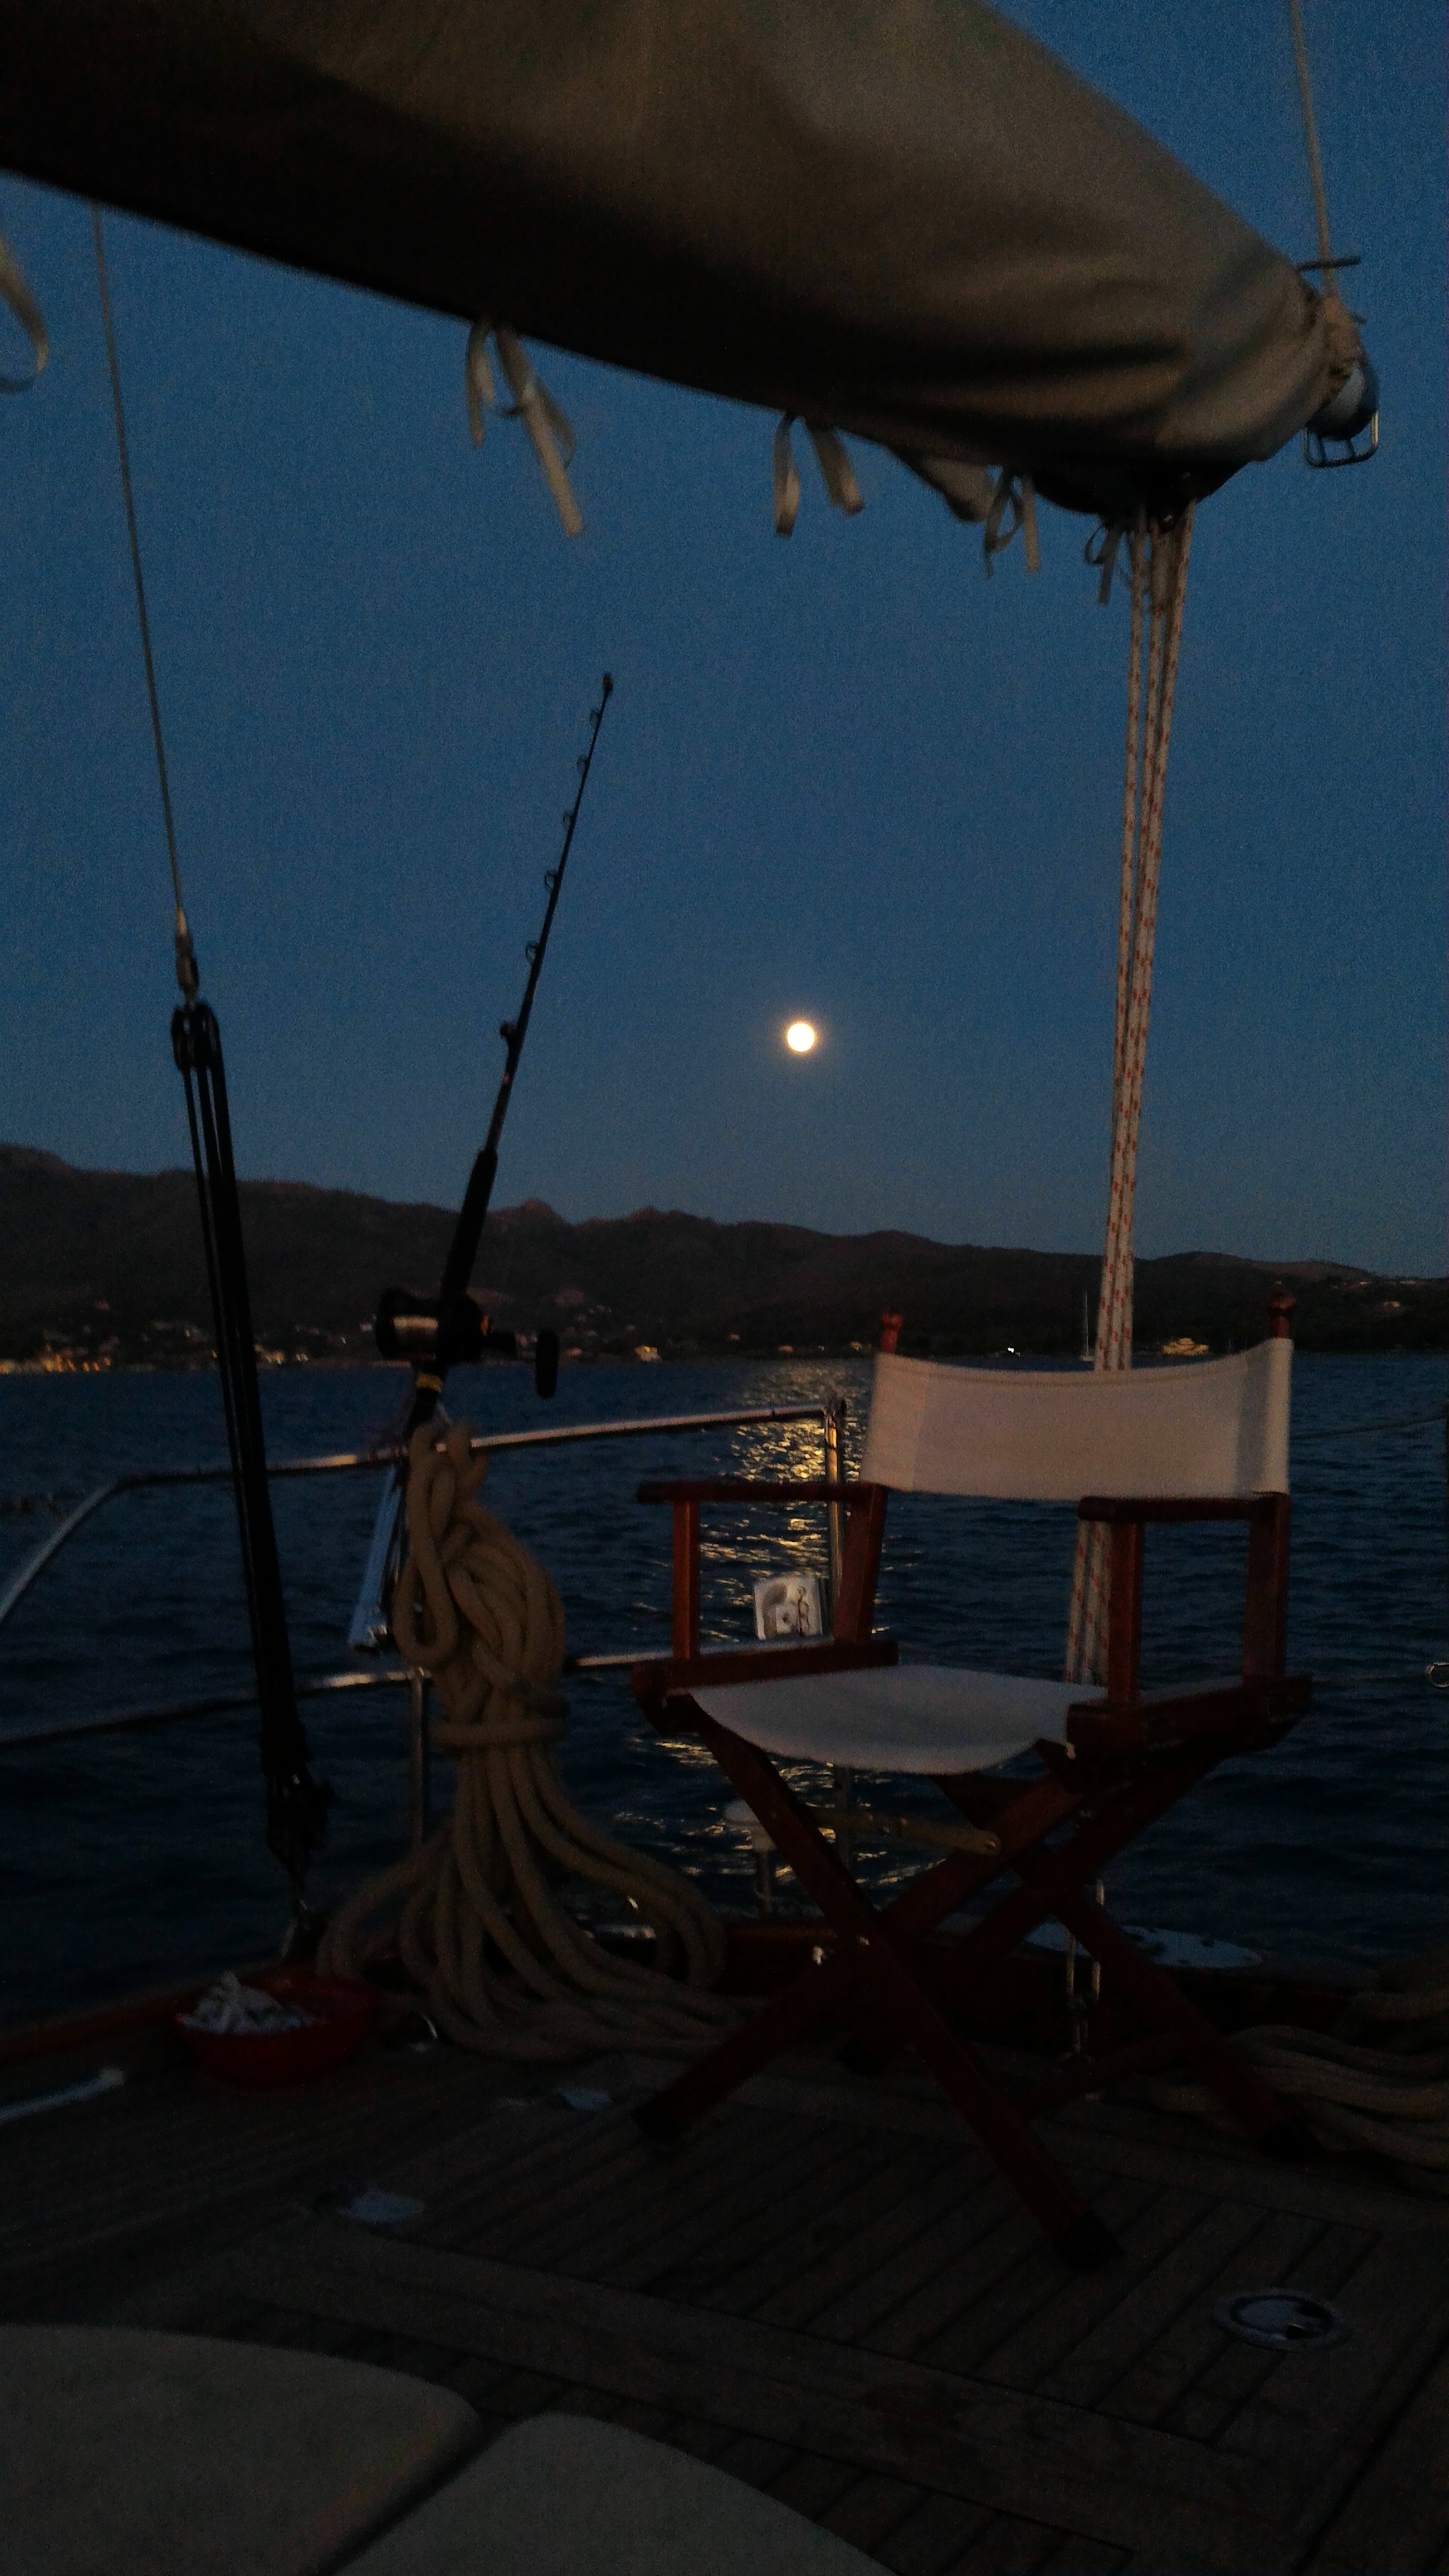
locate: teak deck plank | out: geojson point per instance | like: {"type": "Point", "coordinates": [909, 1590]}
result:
{"type": "Point", "coordinates": [990, 2308]}
{"type": "Point", "coordinates": [1025, 2456]}
{"type": "Point", "coordinates": [578, 2159]}
{"type": "Point", "coordinates": [1151, 2305]}
{"type": "Point", "coordinates": [874, 2510]}
{"type": "Point", "coordinates": [1401, 2506]}
{"type": "Point", "coordinates": [1235, 2377]}
{"type": "Point", "coordinates": [598, 2183]}
{"type": "Point", "coordinates": [1160, 2376]}
{"type": "Point", "coordinates": [988, 2255]}
{"type": "Point", "coordinates": [705, 2189]}
{"type": "Point", "coordinates": [825, 2288]}
{"type": "Point", "coordinates": [1092, 2304]}
{"type": "Point", "coordinates": [867, 2311]}
{"type": "Point", "coordinates": [932, 2538]}
{"type": "Point", "coordinates": [738, 2218]}
{"type": "Point", "coordinates": [852, 2239]}
{"type": "Point", "coordinates": [812, 2222]}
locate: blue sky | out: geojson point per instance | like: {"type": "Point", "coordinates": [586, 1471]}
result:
{"type": "Point", "coordinates": [844, 776]}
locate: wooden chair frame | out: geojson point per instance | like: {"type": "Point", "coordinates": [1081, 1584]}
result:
{"type": "Point", "coordinates": [1127, 1759]}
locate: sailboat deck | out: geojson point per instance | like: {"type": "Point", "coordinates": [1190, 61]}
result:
{"type": "Point", "coordinates": [825, 2290]}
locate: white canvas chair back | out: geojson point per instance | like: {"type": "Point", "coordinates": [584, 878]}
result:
{"type": "Point", "coordinates": [1211, 1427]}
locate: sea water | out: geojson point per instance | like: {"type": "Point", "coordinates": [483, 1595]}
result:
{"type": "Point", "coordinates": [141, 1858]}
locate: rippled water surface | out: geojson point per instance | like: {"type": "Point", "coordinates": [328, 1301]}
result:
{"type": "Point", "coordinates": [130, 1861]}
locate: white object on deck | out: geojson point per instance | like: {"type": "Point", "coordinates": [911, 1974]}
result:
{"type": "Point", "coordinates": [932, 1719]}
{"type": "Point", "coordinates": [107, 2080]}
{"type": "Point", "coordinates": [124, 2453]}
{"type": "Point", "coordinates": [1213, 1427]}
{"type": "Point", "coordinates": [564, 2496]}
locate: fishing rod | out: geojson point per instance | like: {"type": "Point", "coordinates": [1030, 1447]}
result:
{"type": "Point", "coordinates": [437, 1334]}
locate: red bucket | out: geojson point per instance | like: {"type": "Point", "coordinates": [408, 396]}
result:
{"type": "Point", "coordinates": [343, 2014]}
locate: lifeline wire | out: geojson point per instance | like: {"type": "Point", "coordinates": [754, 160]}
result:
{"type": "Point", "coordinates": [187, 975]}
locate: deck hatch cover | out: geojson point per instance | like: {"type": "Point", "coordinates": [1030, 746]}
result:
{"type": "Point", "coordinates": [1280, 2320]}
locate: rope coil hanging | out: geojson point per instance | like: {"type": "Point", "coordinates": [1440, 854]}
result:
{"type": "Point", "coordinates": [503, 1967]}
{"type": "Point", "coordinates": [1157, 566]}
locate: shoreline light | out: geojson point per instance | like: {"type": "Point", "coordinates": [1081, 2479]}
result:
{"type": "Point", "coordinates": [800, 1037]}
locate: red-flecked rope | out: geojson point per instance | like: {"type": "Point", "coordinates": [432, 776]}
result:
{"type": "Point", "coordinates": [1159, 560]}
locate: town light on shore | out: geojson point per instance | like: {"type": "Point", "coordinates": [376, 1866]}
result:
{"type": "Point", "coordinates": [800, 1037]}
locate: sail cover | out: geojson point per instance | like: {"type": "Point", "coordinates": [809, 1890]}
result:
{"type": "Point", "coordinates": [902, 217]}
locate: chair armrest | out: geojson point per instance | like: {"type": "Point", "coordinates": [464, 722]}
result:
{"type": "Point", "coordinates": [1166, 1720]}
{"type": "Point", "coordinates": [657, 1679]}
{"type": "Point", "coordinates": [1265, 1608]}
{"type": "Point", "coordinates": [1120, 1508]}
{"type": "Point", "coordinates": [748, 1489]}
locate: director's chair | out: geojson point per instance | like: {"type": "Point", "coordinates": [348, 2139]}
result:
{"type": "Point", "coordinates": [1201, 1442]}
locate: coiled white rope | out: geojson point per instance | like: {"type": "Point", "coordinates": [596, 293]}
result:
{"type": "Point", "coordinates": [503, 1967]}
{"type": "Point", "coordinates": [1388, 2093]}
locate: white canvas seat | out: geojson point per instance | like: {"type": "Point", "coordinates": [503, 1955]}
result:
{"type": "Point", "coordinates": [934, 1720]}
{"type": "Point", "coordinates": [1216, 1428]}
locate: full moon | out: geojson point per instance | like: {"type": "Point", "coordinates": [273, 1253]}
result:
{"type": "Point", "coordinates": [800, 1037]}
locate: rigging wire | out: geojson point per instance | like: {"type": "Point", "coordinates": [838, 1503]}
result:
{"type": "Point", "coordinates": [187, 972]}
{"type": "Point", "coordinates": [1326, 261]}
{"type": "Point", "coordinates": [296, 1802]}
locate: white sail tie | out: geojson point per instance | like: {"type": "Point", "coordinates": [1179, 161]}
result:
{"type": "Point", "coordinates": [533, 404]}
{"type": "Point", "coordinates": [836, 473]}
{"type": "Point", "coordinates": [1013, 507]}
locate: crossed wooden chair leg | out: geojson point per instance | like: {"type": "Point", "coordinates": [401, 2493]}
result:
{"type": "Point", "coordinates": [876, 1945]}
{"type": "Point", "coordinates": [1054, 1888]}
{"type": "Point", "coordinates": [879, 1950]}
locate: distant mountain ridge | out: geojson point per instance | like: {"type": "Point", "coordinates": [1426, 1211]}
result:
{"type": "Point", "coordinates": [110, 1263]}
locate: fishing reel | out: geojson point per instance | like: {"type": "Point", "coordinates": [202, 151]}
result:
{"type": "Point", "coordinates": [449, 1332]}
{"type": "Point", "coordinates": [433, 1332]}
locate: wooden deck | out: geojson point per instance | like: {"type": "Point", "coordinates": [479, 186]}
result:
{"type": "Point", "coordinates": [825, 2290]}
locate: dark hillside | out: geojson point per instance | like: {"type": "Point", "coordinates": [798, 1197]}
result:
{"type": "Point", "coordinates": [109, 1264]}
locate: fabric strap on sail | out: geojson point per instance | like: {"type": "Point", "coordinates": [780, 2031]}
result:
{"type": "Point", "coordinates": [836, 473]}
{"type": "Point", "coordinates": [533, 404]}
{"type": "Point", "coordinates": [1013, 507]}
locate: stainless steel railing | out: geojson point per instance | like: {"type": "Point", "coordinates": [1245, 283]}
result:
{"type": "Point", "coordinates": [829, 1415]}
